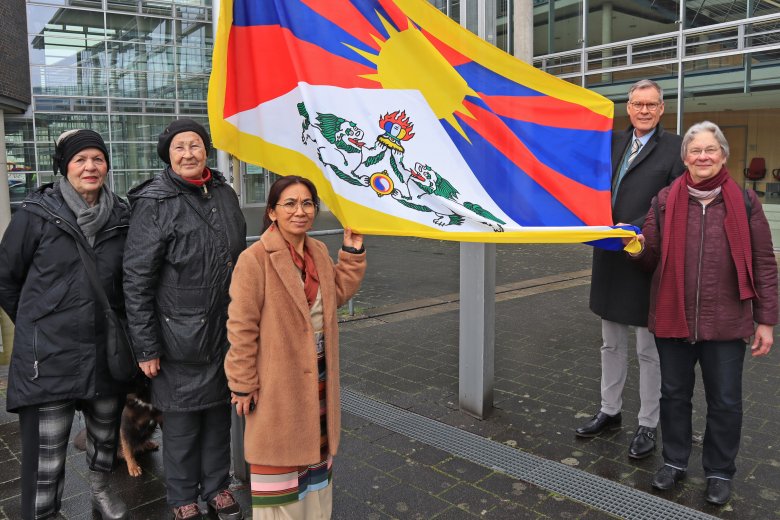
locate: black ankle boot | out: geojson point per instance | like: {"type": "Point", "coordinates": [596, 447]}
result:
{"type": "Point", "coordinates": [104, 500]}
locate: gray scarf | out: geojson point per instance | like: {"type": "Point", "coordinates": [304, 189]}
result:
{"type": "Point", "coordinates": [90, 219]}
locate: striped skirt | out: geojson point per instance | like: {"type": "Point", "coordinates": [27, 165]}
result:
{"type": "Point", "coordinates": [282, 485]}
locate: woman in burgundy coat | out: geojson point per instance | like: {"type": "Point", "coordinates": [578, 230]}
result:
{"type": "Point", "coordinates": [714, 284]}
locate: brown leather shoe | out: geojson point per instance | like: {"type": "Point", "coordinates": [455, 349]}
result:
{"type": "Point", "coordinates": [187, 512]}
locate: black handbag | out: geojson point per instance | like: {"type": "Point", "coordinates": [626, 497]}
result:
{"type": "Point", "coordinates": [121, 359]}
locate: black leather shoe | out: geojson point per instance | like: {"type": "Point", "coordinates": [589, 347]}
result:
{"type": "Point", "coordinates": [718, 491]}
{"type": "Point", "coordinates": [666, 477]}
{"type": "Point", "coordinates": [643, 443]}
{"type": "Point", "coordinates": [598, 424]}
{"type": "Point", "coordinates": [225, 507]}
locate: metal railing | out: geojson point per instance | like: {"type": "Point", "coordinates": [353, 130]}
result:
{"type": "Point", "coordinates": [758, 34]}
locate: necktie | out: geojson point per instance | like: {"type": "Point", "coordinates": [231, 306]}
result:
{"type": "Point", "coordinates": [635, 146]}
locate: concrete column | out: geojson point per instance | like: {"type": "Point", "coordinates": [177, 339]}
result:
{"type": "Point", "coordinates": [6, 327]}
{"type": "Point", "coordinates": [523, 29]}
{"type": "Point", "coordinates": [606, 37]}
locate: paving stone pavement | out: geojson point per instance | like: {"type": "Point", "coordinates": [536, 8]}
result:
{"type": "Point", "coordinates": [402, 349]}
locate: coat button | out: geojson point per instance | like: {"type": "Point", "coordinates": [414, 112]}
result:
{"type": "Point", "coordinates": [230, 264]}
{"type": "Point", "coordinates": [213, 210]}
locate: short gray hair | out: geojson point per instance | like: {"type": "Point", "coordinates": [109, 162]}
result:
{"type": "Point", "coordinates": [704, 126]}
{"type": "Point", "coordinates": [646, 83]}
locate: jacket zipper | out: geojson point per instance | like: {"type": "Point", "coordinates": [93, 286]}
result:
{"type": "Point", "coordinates": [35, 352]}
{"type": "Point", "coordinates": [698, 274]}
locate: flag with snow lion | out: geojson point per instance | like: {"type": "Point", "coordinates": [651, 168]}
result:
{"type": "Point", "coordinates": [409, 124]}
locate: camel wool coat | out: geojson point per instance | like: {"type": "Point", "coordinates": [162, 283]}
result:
{"type": "Point", "coordinates": [272, 348]}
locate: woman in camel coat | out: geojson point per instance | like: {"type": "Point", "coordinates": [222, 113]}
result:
{"type": "Point", "coordinates": [283, 363]}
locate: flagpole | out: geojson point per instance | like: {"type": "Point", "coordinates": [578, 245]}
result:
{"type": "Point", "coordinates": [476, 347]}
{"type": "Point", "coordinates": [223, 158]}
{"type": "Point", "coordinates": [240, 467]}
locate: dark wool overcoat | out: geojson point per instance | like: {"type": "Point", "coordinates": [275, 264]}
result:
{"type": "Point", "coordinates": [59, 339]}
{"type": "Point", "coordinates": [620, 290]}
{"type": "Point", "coordinates": [181, 248]}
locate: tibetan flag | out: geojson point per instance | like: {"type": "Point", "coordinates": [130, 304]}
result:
{"type": "Point", "coordinates": [409, 124]}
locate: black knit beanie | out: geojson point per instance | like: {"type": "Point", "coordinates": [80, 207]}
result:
{"type": "Point", "coordinates": [177, 127]}
{"type": "Point", "coordinates": [72, 142]}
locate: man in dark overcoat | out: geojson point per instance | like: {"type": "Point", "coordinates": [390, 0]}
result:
{"type": "Point", "coordinates": [645, 158]}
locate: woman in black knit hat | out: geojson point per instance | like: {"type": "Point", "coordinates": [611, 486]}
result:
{"type": "Point", "coordinates": [58, 362]}
{"type": "Point", "coordinates": [185, 236]}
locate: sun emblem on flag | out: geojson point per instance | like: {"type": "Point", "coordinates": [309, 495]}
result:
{"type": "Point", "coordinates": [443, 88]}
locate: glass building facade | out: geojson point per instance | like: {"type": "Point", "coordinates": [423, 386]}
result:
{"type": "Point", "coordinates": [128, 67]}
{"type": "Point", "coordinates": [124, 68]}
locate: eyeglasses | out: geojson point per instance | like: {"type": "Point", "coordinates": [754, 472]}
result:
{"type": "Point", "coordinates": [290, 206]}
{"type": "Point", "coordinates": [710, 151]}
{"type": "Point", "coordinates": [651, 107]}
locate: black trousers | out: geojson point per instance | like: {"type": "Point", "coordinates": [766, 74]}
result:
{"type": "Point", "coordinates": [196, 454]}
{"type": "Point", "coordinates": [721, 365]}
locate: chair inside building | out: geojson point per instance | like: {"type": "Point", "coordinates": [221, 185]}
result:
{"type": "Point", "coordinates": [756, 171]}
{"type": "Point", "coordinates": [773, 188]}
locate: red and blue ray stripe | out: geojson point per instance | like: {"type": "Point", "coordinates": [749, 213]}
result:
{"type": "Point", "coordinates": [543, 160]}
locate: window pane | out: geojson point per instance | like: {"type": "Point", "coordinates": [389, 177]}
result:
{"type": "Point", "coordinates": [254, 185]}
{"type": "Point", "coordinates": [18, 130]}
{"type": "Point", "coordinates": [66, 104]}
{"type": "Point", "coordinates": [193, 87]}
{"type": "Point", "coordinates": [140, 56]}
{"type": "Point", "coordinates": [621, 20]}
{"type": "Point", "coordinates": [73, 23]}
{"type": "Point", "coordinates": [193, 13]}
{"type": "Point", "coordinates": [20, 158]}
{"type": "Point", "coordinates": [701, 12]}
{"type": "Point", "coordinates": [123, 5]}
{"type": "Point", "coordinates": [135, 156]}
{"type": "Point", "coordinates": [44, 152]}
{"type": "Point", "coordinates": [137, 127]}
{"type": "Point", "coordinates": [557, 26]}
{"type": "Point", "coordinates": [204, 3]}
{"type": "Point", "coordinates": [60, 81]}
{"type": "Point", "coordinates": [96, 4]}
{"type": "Point", "coordinates": [143, 105]}
{"type": "Point", "coordinates": [193, 107]}
{"type": "Point", "coordinates": [142, 85]}
{"type": "Point", "coordinates": [124, 180]}
{"type": "Point", "coordinates": [141, 29]}
{"type": "Point", "coordinates": [49, 126]}
{"type": "Point", "coordinates": [48, 49]}
{"type": "Point", "coordinates": [161, 7]}
{"type": "Point", "coordinates": [195, 33]}
{"type": "Point", "coordinates": [194, 59]}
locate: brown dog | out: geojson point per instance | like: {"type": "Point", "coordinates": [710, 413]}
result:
{"type": "Point", "coordinates": [139, 422]}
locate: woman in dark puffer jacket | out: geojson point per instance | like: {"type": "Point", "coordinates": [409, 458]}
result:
{"type": "Point", "coordinates": [59, 357]}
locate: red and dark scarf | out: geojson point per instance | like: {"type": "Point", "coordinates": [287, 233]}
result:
{"type": "Point", "coordinates": [203, 180]}
{"type": "Point", "coordinates": [311, 281]}
{"type": "Point", "coordinates": [670, 320]}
